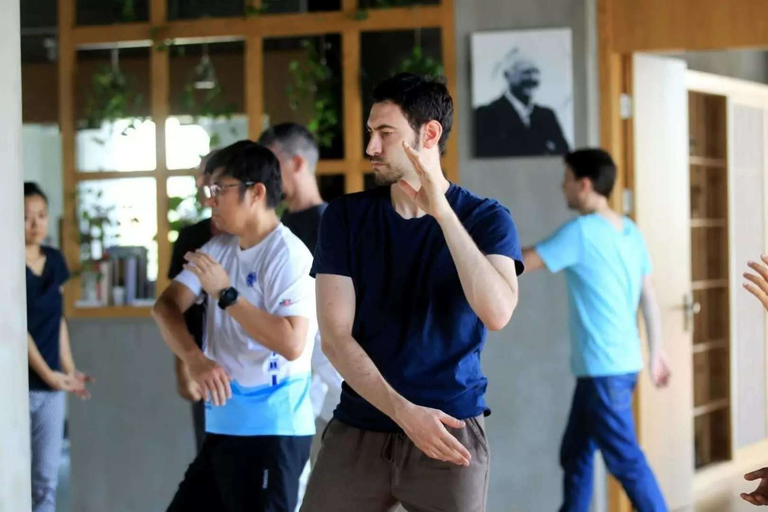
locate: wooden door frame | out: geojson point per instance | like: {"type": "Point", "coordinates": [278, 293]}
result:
{"type": "Point", "coordinates": [625, 28]}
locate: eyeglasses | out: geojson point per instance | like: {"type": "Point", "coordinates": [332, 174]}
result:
{"type": "Point", "coordinates": [214, 190]}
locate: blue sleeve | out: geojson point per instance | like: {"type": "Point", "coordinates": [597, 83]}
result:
{"type": "Point", "coordinates": [564, 248]}
{"type": "Point", "coordinates": [495, 233]}
{"type": "Point", "coordinates": [332, 254]}
{"type": "Point", "coordinates": [62, 271]}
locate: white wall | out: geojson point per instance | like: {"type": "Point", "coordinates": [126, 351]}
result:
{"type": "Point", "coordinates": [15, 489]}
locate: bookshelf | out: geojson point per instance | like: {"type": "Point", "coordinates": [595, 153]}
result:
{"type": "Point", "coordinates": [710, 282]}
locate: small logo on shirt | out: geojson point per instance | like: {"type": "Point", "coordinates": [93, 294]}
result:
{"type": "Point", "coordinates": [251, 279]}
{"type": "Point", "coordinates": [286, 302]}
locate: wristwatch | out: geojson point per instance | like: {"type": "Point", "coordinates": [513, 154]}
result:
{"type": "Point", "coordinates": [227, 297]}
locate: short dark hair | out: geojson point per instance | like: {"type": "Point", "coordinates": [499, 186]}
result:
{"type": "Point", "coordinates": [293, 139]}
{"type": "Point", "coordinates": [421, 98]}
{"type": "Point", "coordinates": [249, 161]}
{"type": "Point", "coordinates": [596, 165]}
{"type": "Point", "coordinates": [33, 189]}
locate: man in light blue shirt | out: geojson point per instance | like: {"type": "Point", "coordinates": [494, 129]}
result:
{"type": "Point", "coordinates": [608, 271]}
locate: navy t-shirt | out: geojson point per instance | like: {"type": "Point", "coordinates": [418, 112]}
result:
{"type": "Point", "coordinates": [412, 317]}
{"type": "Point", "coordinates": [44, 311]}
{"type": "Point", "coordinates": [304, 224]}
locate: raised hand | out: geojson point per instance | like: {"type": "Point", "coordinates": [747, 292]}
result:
{"type": "Point", "coordinates": [431, 196]}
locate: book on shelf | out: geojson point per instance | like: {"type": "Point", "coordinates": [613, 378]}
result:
{"type": "Point", "coordinates": [124, 267]}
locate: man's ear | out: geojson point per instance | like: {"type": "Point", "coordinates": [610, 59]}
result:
{"type": "Point", "coordinates": [431, 133]}
{"type": "Point", "coordinates": [257, 192]}
{"type": "Point", "coordinates": [298, 162]}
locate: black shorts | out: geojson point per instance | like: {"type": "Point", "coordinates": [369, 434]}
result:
{"type": "Point", "coordinates": [238, 474]}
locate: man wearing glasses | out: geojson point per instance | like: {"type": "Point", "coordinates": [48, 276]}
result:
{"type": "Point", "coordinates": [254, 369]}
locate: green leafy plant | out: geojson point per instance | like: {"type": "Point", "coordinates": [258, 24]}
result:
{"type": "Point", "coordinates": [128, 10]}
{"type": "Point", "coordinates": [95, 219]}
{"type": "Point", "coordinates": [420, 64]}
{"type": "Point", "coordinates": [184, 211]}
{"type": "Point", "coordinates": [252, 10]}
{"type": "Point", "coordinates": [112, 98]}
{"type": "Point", "coordinates": [313, 84]}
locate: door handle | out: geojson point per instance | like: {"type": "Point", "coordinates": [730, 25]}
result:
{"type": "Point", "coordinates": [690, 309]}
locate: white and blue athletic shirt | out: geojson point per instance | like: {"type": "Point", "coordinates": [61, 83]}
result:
{"type": "Point", "coordinates": [270, 395]}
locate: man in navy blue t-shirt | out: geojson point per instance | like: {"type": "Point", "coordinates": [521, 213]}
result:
{"type": "Point", "coordinates": [410, 276]}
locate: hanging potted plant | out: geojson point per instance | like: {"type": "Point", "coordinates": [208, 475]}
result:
{"type": "Point", "coordinates": [313, 85]}
{"type": "Point", "coordinates": [203, 96]}
{"type": "Point", "coordinates": [112, 99]}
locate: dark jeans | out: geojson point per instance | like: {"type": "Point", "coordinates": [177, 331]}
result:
{"type": "Point", "coordinates": [244, 473]}
{"type": "Point", "coordinates": [601, 418]}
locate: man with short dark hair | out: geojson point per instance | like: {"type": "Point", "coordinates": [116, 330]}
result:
{"type": "Point", "coordinates": [608, 271]}
{"type": "Point", "coordinates": [410, 276]}
{"type": "Point", "coordinates": [260, 328]}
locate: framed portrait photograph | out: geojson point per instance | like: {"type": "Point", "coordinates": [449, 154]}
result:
{"type": "Point", "coordinates": [522, 92]}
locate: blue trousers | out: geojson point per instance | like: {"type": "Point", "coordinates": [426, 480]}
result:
{"type": "Point", "coordinates": [601, 418]}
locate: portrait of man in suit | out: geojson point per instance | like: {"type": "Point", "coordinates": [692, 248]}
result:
{"type": "Point", "coordinates": [514, 123]}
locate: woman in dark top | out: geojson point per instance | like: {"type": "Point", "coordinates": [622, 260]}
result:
{"type": "Point", "coordinates": [51, 367]}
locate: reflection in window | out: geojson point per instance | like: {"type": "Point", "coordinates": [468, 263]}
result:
{"type": "Point", "coordinates": [123, 145]}
{"type": "Point", "coordinates": [188, 140]}
{"type": "Point", "coordinates": [184, 205]}
{"type": "Point", "coordinates": [117, 222]}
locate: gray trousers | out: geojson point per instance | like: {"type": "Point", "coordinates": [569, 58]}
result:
{"type": "Point", "coordinates": [46, 415]}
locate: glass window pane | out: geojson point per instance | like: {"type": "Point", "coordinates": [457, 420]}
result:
{"type": "Point", "coordinates": [187, 140]}
{"type": "Point", "coordinates": [191, 9]}
{"type": "Point", "coordinates": [295, 6]}
{"type": "Point", "coordinates": [117, 222]}
{"type": "Point", "coordinates": [184, 205]}
{"type": "Point", "coordinates": [99, 12]}
{"type": "Point", "coordinates": [207, 101]}
{"type": "Point", "coordinates": [384, 4]}
{"type": "Point", "coordinates": [302, 84]}
{"type": "Point", "coordinates": [384, 54]}
{"type": "Point", "coordinates": [331, 186]}
{"type": "Point", "coordinates": [115, 132]}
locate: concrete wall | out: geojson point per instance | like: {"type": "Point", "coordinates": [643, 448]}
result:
{"type": "Point", "coordinates": [745, 64]}
{"type": "Point", "coordinates": [530, 383]}
{"type": "Point", "coordinates": [130, 444]}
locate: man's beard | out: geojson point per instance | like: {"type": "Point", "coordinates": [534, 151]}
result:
{"type": "Point", "coordinates": [389, 175]}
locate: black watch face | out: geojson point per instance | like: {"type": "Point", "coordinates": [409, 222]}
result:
{"type": "Point", "coordinates": [228, 296]}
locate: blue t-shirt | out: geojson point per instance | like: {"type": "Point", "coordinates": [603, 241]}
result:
{"type": "Point", "coordinates": [604, 269]}
{"type": "Point", "coordinates": [44, 311]}
{"type": "Point", "coordinates": [412, 317]}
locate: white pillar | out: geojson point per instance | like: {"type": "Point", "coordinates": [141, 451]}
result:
{"type": "Point", "coordinates": [15, 489]}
